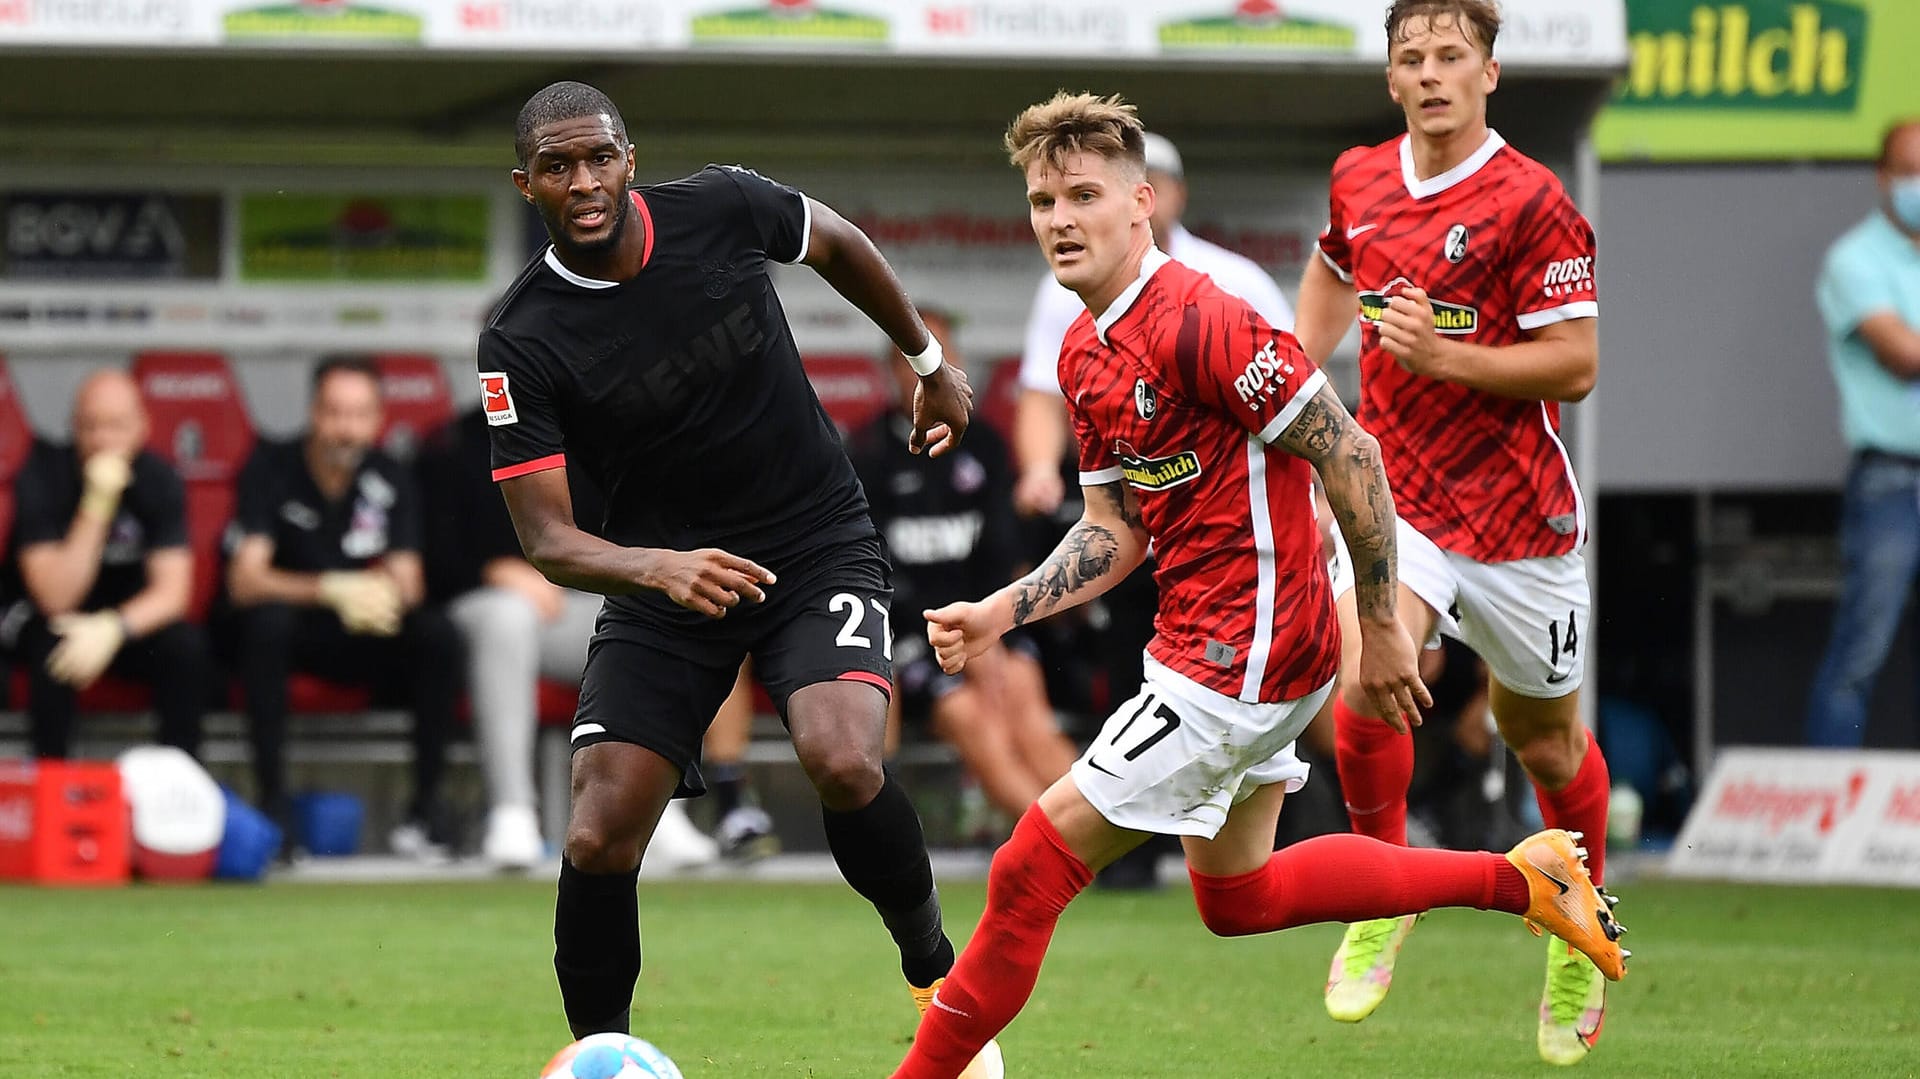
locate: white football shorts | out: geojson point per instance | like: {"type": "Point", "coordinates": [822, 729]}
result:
{"type": "Point", "coordinates": [1526, 618]}
{"type": "Point", "coordinates": [1178, 756]}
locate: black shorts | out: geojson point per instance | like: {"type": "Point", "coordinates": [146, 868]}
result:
{"type": "Point", "coordinates": [657, 686]}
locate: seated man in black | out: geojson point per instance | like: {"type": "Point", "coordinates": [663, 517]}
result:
{"type": "Point", "coordinates": [325, 578]}
{"type": "Point", "coordinates": [100, 529]}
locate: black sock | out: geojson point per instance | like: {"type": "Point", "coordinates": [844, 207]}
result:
{"type": "Point", "coordinates": [727, 783]}
{"type": "Point", "coordinates": [596, 948]}
{"type": "Point", "coordinates": [882, 853]}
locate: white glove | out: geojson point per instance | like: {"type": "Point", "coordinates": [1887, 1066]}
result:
{"type": "Point", "coordinates": [366, 602]}
{"type": "Point", "coordinates": [88, 642]}
{"type": "Point", "coordinates": [104, 477]}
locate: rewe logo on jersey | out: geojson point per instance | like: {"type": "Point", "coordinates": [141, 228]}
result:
{"type": "Point", "coordinates": [1454, 319]}
{"type": "Point", "coordinates": [495, 400]}
{"type": "Point", "coordinates": [1156, 473]}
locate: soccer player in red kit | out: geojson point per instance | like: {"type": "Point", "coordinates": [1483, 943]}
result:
{"type": "Point", "coordinates": [1472, 275]}
{"type": "Point", "coordinates": [1198, 427]}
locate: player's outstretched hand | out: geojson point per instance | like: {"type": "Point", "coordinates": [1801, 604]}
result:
{"type": "Point", "coordinates": [1390, 674]}
{"type": "Point", "coordinates": [960, 631]}
{"type": "Point", "coordinates": [708, 580]}
{"type": "Point", "coordinates": [942, 409]}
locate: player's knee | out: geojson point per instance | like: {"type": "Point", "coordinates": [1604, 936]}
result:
{"type": "Point", "coordinates": [1010, 885]}
{"type": "Point", "coordinates": [1350, 693]}
{"type": "Point", "coordinates": [1222, 917]}
{"type": "Point", "coordinates": [1030, 878]}
{"type": "Point", "coordinates": [594, 848]}
{"type": "Point", "coordinates": [845, 776]}
{"type": "Point", "coordinates": [1552, 756]}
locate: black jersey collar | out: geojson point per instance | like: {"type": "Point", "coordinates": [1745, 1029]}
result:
{"type": "Point", "coordinates": [646, 254]}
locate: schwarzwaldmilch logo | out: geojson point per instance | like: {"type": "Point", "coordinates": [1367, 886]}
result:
{"type": "Point", "coordinates": [1758, 54]}
{"type": "Point", "coordinates": [1455, 319]}
{"type": "Point", "coordinates": [789, 20]}
{"type": "Point", "coordinates": [1156, 473]}
{"type": "Point", "coordinates": [306, 20]}
{"type": "Point", "coordinates": [1258, 24]}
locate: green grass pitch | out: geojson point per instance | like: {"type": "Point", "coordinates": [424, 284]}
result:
{"type": "Point", "coordinates": [427, 981]}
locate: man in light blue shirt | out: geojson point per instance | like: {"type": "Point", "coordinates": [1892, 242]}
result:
{"type": "Point", "coordinates": [1869, 297]}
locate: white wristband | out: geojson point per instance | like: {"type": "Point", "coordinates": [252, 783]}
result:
{"type": "Point", "coordinates": [929, 360]}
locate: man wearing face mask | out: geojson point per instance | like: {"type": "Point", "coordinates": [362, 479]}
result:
{"type": "Point", "coordinates": [325, 576]}
{"type": "Point", "coordinates": [102, 539]}
{"type": "Point", "coordinates": [1869, 297]}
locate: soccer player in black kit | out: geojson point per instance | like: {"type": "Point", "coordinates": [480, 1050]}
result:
{"type": "Point", "coordinates": [647, 346]}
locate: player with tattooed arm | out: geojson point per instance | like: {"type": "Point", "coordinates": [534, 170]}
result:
{"type": "Point", "coordinates": [1199, 427]}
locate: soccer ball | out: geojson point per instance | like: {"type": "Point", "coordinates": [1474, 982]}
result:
{"type": "Point", "coordinates": [610, 1056]}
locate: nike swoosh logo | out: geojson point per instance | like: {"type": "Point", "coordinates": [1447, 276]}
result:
{"type": "Point", "coordinates": [1095, 765]}
{"type": "Point", "coordinates": [945, 1007]}
{"type": "Point", "coordinates": [1543, 871]}
{"type": "Point", "coordinates": [1556, 679]}
{"type": "Point", "coordinates": [1358, 229]}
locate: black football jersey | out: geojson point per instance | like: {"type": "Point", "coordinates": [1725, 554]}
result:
{"type": "Point", "coordinates": [948, 521]}
{"type": "Point", "coordinates": [679, 392]}
{"type": "Point", "coordinates": [151, 516]}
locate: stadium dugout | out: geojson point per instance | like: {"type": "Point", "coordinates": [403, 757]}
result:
{"type": "Point", "coordinates": [240, 191]}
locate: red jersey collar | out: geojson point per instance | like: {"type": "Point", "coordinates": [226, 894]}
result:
{"type": "Point", "coordinates": [1122, 303]}
{"type": "Point", "coordinates": [1433, 185]}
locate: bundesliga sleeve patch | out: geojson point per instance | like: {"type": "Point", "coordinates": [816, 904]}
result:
{"type": "Point", "coordinates": [498, 402]}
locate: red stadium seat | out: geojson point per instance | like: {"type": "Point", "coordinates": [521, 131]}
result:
{"type": "Point", "coordinates": [16, 442]}
{"type": "Point", "coordinates": [418, 402]}
{"type": "Point", "coordinates": [311, 694]}
{"type": "Point", "coordinates": [999, 397]}
{"type": "Point", "coordinates": [199, 423]}
{"type": "Point", "coordinates": [557, 703]}
{"type": "Point", "coordinates": [853, 389]}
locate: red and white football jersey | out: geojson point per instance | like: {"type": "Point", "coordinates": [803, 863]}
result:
{"type": "Point", "coordinates": [1501, 250]}
{"type": "Point", "coordinates": [1176, 389]}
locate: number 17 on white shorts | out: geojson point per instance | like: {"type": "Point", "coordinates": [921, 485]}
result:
{"type": "Point", "coordinates": [1177, 756]}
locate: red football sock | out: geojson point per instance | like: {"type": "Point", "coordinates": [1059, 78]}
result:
{"type": "Point", "coordinates": [1034, 877]}
{"type": "Point", "coordinates": [1376, 766]}
{"type": "Point", "coordinates": [1581, 806]}
{"type": "Point", "coordinates": [1351, 878]}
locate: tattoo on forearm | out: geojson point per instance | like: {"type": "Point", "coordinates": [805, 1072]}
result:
{"type": "Point", "coordinates": [1367, 522]}
{"type": "Point", "coordinates": [1348, 460]}
{"type": "Point", "coordinates": [1085, 555]}
{"type": "Point", "coordinates": [1318, 428]}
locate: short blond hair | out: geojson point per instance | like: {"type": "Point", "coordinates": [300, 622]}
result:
{"type": "Point", "coordinates": [1068, 124]}
{"type": "Point", "coordinates": [1479, 20]}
